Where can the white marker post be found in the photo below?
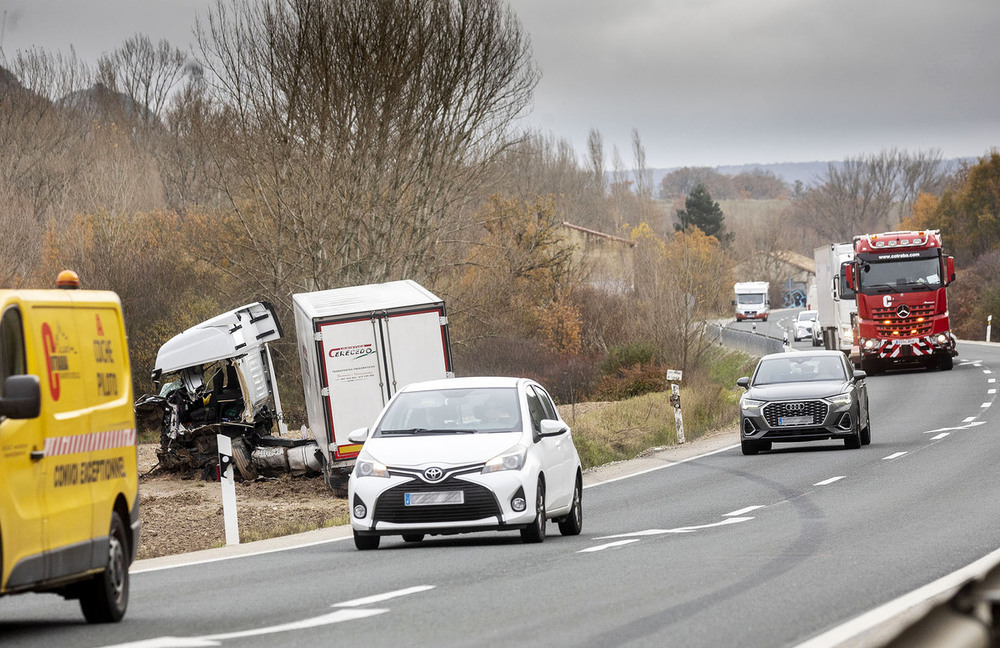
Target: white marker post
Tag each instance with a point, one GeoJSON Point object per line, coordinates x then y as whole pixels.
{"type": "Point", "coordinates": [675, 400]}
{"type": "Point", "coordinates": [989, 326]}
{"type": "Point", "coordinates": [228, 489]}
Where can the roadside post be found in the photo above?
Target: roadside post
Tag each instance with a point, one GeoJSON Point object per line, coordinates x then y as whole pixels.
{"type": "Point", "coordinates": [675, 400]}
{"type": "Point", "coordinates": [228, 489]}
{"type": "Point", "coordinates": [989, 326]}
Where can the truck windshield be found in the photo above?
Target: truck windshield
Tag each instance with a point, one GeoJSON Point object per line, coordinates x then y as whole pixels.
{"type": "Point", "coordinates": [908, 275]}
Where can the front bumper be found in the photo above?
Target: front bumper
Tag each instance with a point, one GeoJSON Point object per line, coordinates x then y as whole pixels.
{"type": "Point", "coordinates": [487, 504]}
{"type": "Point", "coordinates": [903, 350]}
{"type": "Point", "coordinates": [834, 422]}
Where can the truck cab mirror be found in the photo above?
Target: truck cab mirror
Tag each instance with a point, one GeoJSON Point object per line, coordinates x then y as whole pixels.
{"type": "Point", "coordinates": [358, 436]}
{"type": "Point", "coordinates": [949, 264]}
{"type": "Point", "coordinates": [849, 273]}
{"type": "Point", "coordinates": [22, 397]}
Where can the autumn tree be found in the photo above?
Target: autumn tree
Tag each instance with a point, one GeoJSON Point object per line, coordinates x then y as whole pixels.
{"type": "Point", "coordinates": [680, 283]}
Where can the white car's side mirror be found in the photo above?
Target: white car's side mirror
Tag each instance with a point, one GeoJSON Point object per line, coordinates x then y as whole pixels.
{"type": "Point", "coordinates": [358, 436]}
{"type": "Point", "coordinates": [552, 427]}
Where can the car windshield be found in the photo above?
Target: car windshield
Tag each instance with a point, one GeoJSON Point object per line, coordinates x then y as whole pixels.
{"type": "Point", "coordinates": [452, 411]}
{"type": "Point", "coordinates": [798, 369]}
{"type": "Point", "coordinates": [807, 316]}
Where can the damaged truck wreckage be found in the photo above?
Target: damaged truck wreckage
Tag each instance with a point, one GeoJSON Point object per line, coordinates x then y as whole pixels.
{"type": "Point", "coordinates": [217, 378]}
{"type": "Point", "coordinates": [357, 347]}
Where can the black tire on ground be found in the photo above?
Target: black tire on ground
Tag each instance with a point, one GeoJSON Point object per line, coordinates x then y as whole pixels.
{"type": "Point", "coordinates": [853, 442]}
{"type": "Point", "coordinates": [104, 598]}
{"type": "Point", "coordinates": [572, 524]}
{"type": "Point", "coordinates": [866, 433]}
{"type": "Point", "coordinates": [749, 447]}
{"type": "Point", "coordinates": [536, 531]}
{"type": "Point", "coordinates": [412, 537]}
{"type": "Point", "coordinates": [366, 542]}
{"type": "Point", "coordinates": [946, 363]}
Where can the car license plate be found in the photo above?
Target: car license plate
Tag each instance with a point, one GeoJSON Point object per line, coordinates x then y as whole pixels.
{"type": "Point", "coordinates": [433, 498]}
{"type": "Point", "coordinates": [795, 420]}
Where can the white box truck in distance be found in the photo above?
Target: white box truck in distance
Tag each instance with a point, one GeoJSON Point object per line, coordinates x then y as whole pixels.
{"type": "Point", "coordinates": [835, 302]}
{"type": "Point", "coordinates": [751, 300]}
{"type": "Point", "coordinates": [357, 347]}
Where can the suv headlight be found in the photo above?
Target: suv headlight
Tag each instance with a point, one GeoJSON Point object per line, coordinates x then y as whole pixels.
{"type": "Point", "coordinates": [841, 399]}
{"type": "Point", "coordinates": [751, 404]}
{"type": "Point", "coordinates": [512, 459]}
{"type": "Point", "coordinates": [368, 467]}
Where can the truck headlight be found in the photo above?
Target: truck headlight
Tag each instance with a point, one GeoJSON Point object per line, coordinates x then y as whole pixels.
{"type": "Point", "coordinates": [846, 334]}
{"type": "Point", "coordinates": [513, 459]}
{"type": "Point", "coordinates": [869, 344]}
{"type": "Point", "coordinates": [942, 338]}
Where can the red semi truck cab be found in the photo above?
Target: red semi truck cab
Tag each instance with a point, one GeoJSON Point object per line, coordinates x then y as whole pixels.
{"type": "Point", "coordinates": [901, 279]}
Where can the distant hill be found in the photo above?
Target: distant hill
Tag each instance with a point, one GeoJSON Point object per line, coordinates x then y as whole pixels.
{"type": "Point", "coordinates": [809, 173]}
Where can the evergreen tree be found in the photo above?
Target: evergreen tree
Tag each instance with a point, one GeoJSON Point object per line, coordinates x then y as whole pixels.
{"type": "Point", "coordinates": [704, 213]}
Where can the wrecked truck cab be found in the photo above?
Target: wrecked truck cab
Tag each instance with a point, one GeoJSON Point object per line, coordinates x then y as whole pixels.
{"type": "Point", "coordinates": [215, 378]}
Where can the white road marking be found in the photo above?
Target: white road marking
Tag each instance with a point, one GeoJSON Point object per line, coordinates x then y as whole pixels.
{"type": "Point", "coordinates": [970, 424]}
{"type": "Point", "coordinates": [827, 482]}
{"type": "Point", "coordinates": [969, 420]}
{"type": "Point", "coordinates": [743, 511]}
{"type": "Point", "coordinates": [893, 456]}
{"type": "Point", "coordinates": [986, 404]}
{"type": "Point", "coordinates": [216, 640]}
{"type": "Point", "coordinates": [602, 547]}
{"type": "Point", "coordinates": [987, 371]}
{"type": "Point", "coordinates": [991, 380]}
{"type": "Point", "coordinates": [940, 436]}
{"type": "Point", "coordinates": [687, 529]}
{"type": "Point", "coordinates": [991, 391]}
{"type": "Point", "coordinates": [378, 598]}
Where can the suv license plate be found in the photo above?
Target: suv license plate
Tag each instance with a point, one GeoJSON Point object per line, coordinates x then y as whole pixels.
{"type": "Point", "coordinates": [795, 420]}
{"type": "Point", "coordinates": [433, 498]}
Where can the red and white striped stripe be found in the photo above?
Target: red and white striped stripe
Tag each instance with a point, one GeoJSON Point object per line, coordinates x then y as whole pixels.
{"type": "Point", "coordinates": [77, 443]}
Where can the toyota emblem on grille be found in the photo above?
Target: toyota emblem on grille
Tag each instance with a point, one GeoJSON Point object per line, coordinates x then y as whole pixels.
{"type": "Point", "coordinates": [433, 474]}
{"type": "Point", "coordinates": [903, 310]}
{"type": "Point", "coordinates": [794, 407]}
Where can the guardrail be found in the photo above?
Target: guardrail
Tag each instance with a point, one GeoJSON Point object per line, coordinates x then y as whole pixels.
{"type": "Point", "coordinates": [750, 342]}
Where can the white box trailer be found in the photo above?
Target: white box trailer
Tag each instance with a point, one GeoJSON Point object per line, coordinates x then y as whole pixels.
{"type": "Point", "coordinates": [835, 301]}
{"type": "Point", "coordinates": [357, 347]}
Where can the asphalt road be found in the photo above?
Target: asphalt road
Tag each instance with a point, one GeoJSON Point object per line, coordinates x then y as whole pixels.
{"type": "Point", "coordinates": [717, 550]}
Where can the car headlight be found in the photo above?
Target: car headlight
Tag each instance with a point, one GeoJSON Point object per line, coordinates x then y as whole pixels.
{"type": "Point", "coordinates": [368, 467]}
{"type": "Point", "coordinates": [846, 334]}
{"type": "Point", "coordinates": [512, 459]}
{"type": "Point", "coordinates": [750, 404]}
{"type": "Point", "coordinates": [841, 399]}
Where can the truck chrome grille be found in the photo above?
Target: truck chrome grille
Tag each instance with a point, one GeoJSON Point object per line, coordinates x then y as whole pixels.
{"type": "Point", "coordinates": [479, 503]}
{"type": "Point", "coordinates": [816, 409]}
{"type": "Point", "coordinates": [903, 326]}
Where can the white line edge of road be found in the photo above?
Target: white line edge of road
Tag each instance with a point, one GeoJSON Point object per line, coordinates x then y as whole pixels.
{"type": "Point", "coordinates": [869, 620]}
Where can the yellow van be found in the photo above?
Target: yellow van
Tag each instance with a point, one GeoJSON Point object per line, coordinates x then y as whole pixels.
{"type": "Point", "coordinates": [69, 500]}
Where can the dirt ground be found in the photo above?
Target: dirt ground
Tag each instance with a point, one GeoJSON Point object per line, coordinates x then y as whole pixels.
{"type": "Point", "coordinates": [180, 515]}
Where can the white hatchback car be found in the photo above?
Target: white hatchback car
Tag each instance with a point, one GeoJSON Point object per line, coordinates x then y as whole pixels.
{"type": "Point", "coordinates": [462, 455]}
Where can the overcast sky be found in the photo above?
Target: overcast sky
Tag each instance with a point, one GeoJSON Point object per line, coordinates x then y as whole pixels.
{"type": "Point", "coordinates": [705, 82]}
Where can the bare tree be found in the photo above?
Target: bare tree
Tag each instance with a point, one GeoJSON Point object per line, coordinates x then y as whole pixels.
{"type": "Point", "coordinates": [357, 126]}
{"type": "Point", "coordinates": [145, 73]}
